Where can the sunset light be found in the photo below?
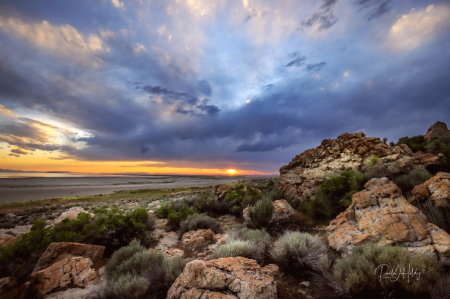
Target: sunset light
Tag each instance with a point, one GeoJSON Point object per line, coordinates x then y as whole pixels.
{"type": "Point", "coordinates": [231, 171]}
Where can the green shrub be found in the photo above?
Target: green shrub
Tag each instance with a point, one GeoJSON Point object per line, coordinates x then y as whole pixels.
{"type": "Point", "coordinates": [198, 221]}
{"type": "Point", "coordinates": [377, 171]}
{"type": "Point", "coordinates": [133, 272]}
{"type": "Point", "coordinates": [261, 214]}
{"type": "Point", "coordinates": [441, 146]}
{"type": "Point", "coordinates": [373, 161]}
{"type": "Point", "coordinates": [163, 211]}
{"type": "Point", "coordinates": [234, 248]}
{"type": "Point", "coordinates": [435, 214]}
{"type": "Point", "coordinates": [407, 182]}
{"type": "Point", "coordinates": [360, 274]}
{"type": "Point", "coordinates": [299, 253]}
{"type": "Point", "coordinates": [112, 229]}
{"type": "Point", "coordinates": [335, 194]}
{"type": "Point", "coordinates": [416, 143]}
{"type": "Point", "coordinates": [253, 235]}
{"type": "Point", "coordinates": [174, 218]}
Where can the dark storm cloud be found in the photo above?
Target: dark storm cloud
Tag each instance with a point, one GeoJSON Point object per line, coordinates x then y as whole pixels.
{"type": "Point", "coordinates": [299, 61]}
{"type": "Point", "coordinates": [376, 8]}
{"type": "Point", "coordinates": [269, 87]}
{"type": "Point", "coordinates": [315, 67]}
{"type": "Point", "coordinates": [324, 17]}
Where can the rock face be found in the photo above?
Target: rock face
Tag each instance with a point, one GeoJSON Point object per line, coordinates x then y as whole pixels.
{"type": "Point", "coordinates": [193, 240]}
{"type": "Point", "coordinates": [76, 271]}
{"type": "Point", "coordinates": [72, 213]}
{"type": "Point", "coordinates": [436, 189]}
{"type": "Point", "coordinates": [58, 251]}
{"type": "Point", "coordinates": [381, 214]}
{"type": "Point", "coordinates": [7, 287]}
{"type": "Point", "coordinates": [220, 191]}
{"type": "Point", "coordinates": [231, 278]}
{"type": "Point", "coordinates": [303, 175]}
{"type": "Point", "coordinates": [282, 211]}
{"type": "Point", "coordinates": [439, 129]}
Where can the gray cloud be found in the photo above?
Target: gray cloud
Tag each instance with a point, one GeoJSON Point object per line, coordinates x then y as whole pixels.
{"type": "Point", "coordinates": [315, 67]}
{"type": "Point", "coordinates": [324, 17]}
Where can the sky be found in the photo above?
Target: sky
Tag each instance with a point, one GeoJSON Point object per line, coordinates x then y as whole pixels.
{"type": "Point", "coordinates": [213, 87]}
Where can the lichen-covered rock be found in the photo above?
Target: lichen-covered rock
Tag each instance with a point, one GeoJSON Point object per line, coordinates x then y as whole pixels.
{"type": "Point", "coordinates": [173, 252]}
{"type": "Point", "coordinates": [302, 177]}
{"type": "Point", "coordinates": [381, 214]}
{"type": "Point", "coordinates": [71, 213]}
{"type": "Point", "coordinates": [68, 272]}
{"type": "Point", "coordinates": [58, 251]}
{"type": "Point", "coordinates": [220, 191]}
{"type": "Point", "coordinates": [193, 240]}
{"type": "Point", "coordinates": [438, 129]}
{"type": "Point", "coordinates": [436, 189]}
{"type": "Point", "coordinates": [282, 212]}
{"type": "Point", "coordinates": [234, 277]}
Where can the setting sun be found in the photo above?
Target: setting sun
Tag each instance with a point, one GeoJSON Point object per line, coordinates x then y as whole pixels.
{"type": "Point", "coordinates": [231, 171]}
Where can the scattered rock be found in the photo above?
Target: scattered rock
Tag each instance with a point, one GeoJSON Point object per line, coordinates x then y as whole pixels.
{"type": "Point", "coordinates": [58, 251]}
{"type": "Point", "coordinates": [167, 241]}
{"type": "Point", "coordinates": [302, 177]}
{"type": "Point", "coordinates": [173, 252]}
{"type": "Point", "coordinates": [194, 240]}
{"type": "Point", "coordinates": [234, 277]}
{"type": "Point", "coordinates": [282, 212]}
{"type": "Point", "coordinates": [439, 129]}
{"type": "Point", "coordinates": [71, 213]}
{"type": "Point", "coordinates": [220, 191]}
{"type": "Point", "coordinates": [384, 216]}
{"type": "Point", "coordinates": [436, 189]}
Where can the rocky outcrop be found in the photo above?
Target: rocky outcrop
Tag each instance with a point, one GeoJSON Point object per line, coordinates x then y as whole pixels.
{"type": "Point", "coordinates": [71, 213]}
{"type": "Point", "coordinates": [58, 251]}
{"type": "Point", "coordinates": [194, 240]}
{"type": "Point", "coordinates": [220, 191]}
{"type": "Point", "coordinates": [68, 272]}
{"type": "Point", "coordinates": [436, 189]}
{"type": "Point", "coordinates": [231, 278]}
{"type": "Point", "coordinates": [381, 214]}
{"type": "Point", "coordinates": [282, 212]}
{"type": "Point", "coordinates": [439, 129]}
{"type": "Point", "coordinates": [302, 177]}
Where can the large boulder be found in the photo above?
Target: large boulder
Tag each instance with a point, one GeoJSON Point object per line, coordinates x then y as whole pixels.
{"type": "Point", "coordinates": [382, 215]}
{"type": "Point", "coordinates": [196, 239]}
{"type": "Point", "coordinates": [282, 212]}
{"type": "Point", "coordinates": [302, 177]}
{"type": "Point", "coordinates": [231, 278]}
{"type": "Point", "coordinates": [68, 272]}
{"type": "Point", "coordinates": [436, 189]}
{"type": "Point", "coordinates": [58, 251]}
{"type": "Point", "coordinates": [220, 191]}
{"type": "Point", "coordinates": [8, 287]}
{"type": "Point", "coordinates": [439, 129]}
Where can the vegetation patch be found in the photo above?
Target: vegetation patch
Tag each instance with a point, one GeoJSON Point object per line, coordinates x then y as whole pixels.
{"type": "Point", "coordinates": [198, 221]}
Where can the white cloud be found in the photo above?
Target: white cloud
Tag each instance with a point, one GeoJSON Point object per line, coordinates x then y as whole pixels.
{"type": "Point", "coordinates": [117, 3]}
{"type": "Point", "coordinates": [248, 101]}
{"type": "Point", "coordinates": [322, 88]}
{"type": "Point", "coordinates": [64, 39]}
{"type": "Point", "coordinates": [139, 48]}
{"type": "Point", "coordinates": [245, 3]}
{"type": "Point", "coordinates": [346, 74]}
{"type": "Point", "coordinates": [316, 76]}
{"type": "Point", "coordinates": [418, 27]}
{"type": "Point", "coordinates": [335, 84]}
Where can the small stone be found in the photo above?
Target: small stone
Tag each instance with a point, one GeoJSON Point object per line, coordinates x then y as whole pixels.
{"type": "Point", "coordinates": [305, 283]}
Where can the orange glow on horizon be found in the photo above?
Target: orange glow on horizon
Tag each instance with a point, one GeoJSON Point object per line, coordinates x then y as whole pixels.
{"type": "Point", "coordinates": [231, 171]}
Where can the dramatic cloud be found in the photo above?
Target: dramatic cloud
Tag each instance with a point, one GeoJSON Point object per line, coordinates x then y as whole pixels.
{"type": "Point", "coordinates": [215, 84]}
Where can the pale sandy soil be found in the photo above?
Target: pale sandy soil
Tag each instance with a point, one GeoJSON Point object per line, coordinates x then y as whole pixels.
{"type": "Point", "coordinates": [22, 189]}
